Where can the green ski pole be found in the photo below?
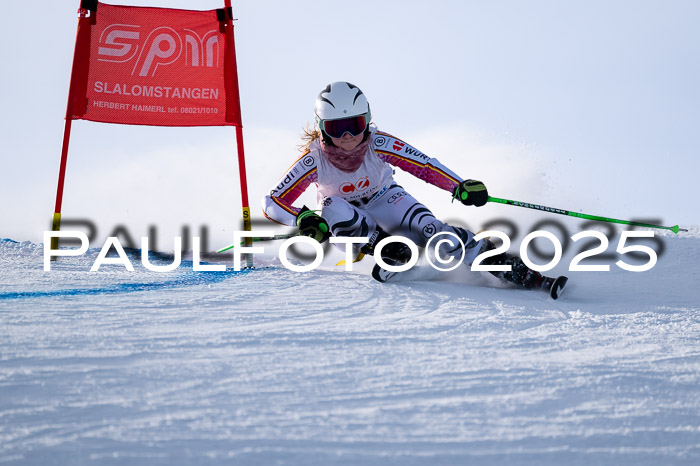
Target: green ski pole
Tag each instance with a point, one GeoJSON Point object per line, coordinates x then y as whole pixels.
{"type": "Point", "coordinates": [553, 210]}
{"type": "Point", "coordinates": [262, 238]}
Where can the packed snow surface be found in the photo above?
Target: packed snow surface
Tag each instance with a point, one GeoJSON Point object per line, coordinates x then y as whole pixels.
{"type": "Point", "coordinates": [271, 366]}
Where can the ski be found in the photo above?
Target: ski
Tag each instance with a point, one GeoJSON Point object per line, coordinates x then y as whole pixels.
{"type": "Point", "coordinates": [554, 286]}
{"type": "Point", "coordinates": [382, 275]}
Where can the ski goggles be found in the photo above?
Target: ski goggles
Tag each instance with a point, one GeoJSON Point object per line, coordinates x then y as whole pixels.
{"type": "Point", "coordinates": [336, 129]}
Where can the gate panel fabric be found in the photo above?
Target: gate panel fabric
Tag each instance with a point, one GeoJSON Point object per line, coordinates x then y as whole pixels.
{"type": "Point", "coordinates": [157, 66]}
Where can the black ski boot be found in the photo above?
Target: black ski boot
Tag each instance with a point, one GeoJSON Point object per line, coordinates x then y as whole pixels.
{"type": "Point", "coordinates": [521, 275]}
{"type": "Point", "coordinates": [393, 254]}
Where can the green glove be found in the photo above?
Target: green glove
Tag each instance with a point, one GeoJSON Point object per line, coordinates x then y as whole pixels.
{"type": "Point", "coordinates": [312, 225]}
{"type": "Point", "coordinates": [471, 192]}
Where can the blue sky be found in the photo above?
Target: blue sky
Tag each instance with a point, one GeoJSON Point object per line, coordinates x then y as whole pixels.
{"type": "Point", "coordinates": [588, 106]}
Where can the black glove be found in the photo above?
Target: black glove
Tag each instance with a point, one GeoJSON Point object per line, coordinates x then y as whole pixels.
{"type": "Point", "coordinates": [312, 225]}
{"type": "Point", "coordinates": [471, 192]}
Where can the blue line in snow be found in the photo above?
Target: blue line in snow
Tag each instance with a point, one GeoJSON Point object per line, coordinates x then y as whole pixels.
{"type": "Point", "coordinates": [189, 279]}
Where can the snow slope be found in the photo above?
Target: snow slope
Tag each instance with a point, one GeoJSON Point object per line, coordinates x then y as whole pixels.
{"type": "Point", "coordinates": [327, 367]}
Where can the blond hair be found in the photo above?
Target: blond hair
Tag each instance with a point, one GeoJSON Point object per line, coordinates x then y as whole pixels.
{"type": "Point", "coordinates": [311, 133]}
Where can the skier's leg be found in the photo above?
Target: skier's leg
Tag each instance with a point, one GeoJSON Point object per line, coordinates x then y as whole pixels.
{"type": "Point", "coordinates": [345, 219]}
{"type": "Point", "coordinates": [399, 213]}
{"type": "Point", "coordinates": [405, 216]}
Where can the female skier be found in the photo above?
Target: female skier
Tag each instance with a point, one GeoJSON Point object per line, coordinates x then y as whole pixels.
{"type": "Point", "coordinates": [350, 162]}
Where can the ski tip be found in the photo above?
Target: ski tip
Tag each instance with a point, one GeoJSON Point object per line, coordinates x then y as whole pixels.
{"type": "Point", "coordinates": [557, 287]}
{"type": "Point", "coordinates": [380, 274]}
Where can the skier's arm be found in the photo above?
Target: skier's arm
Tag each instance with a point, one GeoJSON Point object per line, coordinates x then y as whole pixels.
{"type": "Point", "coordinates": [277, 206]}
{"type": "Point", "coordinates": [400, 154]}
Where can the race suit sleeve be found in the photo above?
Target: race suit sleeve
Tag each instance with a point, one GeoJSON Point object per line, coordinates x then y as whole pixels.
{"type": "Point", "coordinates": [277, 206]}
{"type": "Point", "coordinates": [400, 154]}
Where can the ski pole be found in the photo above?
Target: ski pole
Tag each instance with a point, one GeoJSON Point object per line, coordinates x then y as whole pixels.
{"type": "Point", "coordinates": [262, 238]}
{"type": "Point", "coordinates": [528, 205]}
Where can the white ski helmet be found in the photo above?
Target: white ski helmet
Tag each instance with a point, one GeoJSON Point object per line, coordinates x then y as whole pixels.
{"type": "Point", "coordinates": [340, 108]}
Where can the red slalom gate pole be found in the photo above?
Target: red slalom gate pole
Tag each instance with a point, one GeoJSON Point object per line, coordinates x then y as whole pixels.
{"type": "Point", "coordinates": [76, 99]}
{"type": "Point", "coordinates": [230, 51]}
{"type": "Point", "coordinates": [56, 222]}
